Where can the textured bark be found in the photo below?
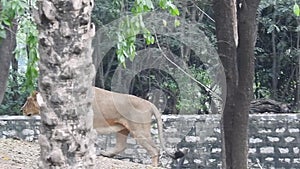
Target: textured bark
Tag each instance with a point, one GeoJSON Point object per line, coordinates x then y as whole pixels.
{"type": "Point", "coordinates": [238, 61]}
{"type": "Point", "coordinates": [247, 32]}
{"type": "Point", "coordinates": [65, 83]}
{"type": "Point", "coordinates": [224, 17]}
{"type": "Point", "coordinates": [7, 47]}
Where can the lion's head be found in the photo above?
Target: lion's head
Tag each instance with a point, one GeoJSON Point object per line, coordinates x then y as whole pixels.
{"type": "Point", "coordinates": [31, 106]}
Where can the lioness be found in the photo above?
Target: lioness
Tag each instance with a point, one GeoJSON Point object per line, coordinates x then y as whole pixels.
{"type": "Point", "coordinates": [121, 114]}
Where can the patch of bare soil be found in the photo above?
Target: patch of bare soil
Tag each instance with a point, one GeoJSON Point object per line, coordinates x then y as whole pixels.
{"type": "Point", "coordinates": [17, 154]}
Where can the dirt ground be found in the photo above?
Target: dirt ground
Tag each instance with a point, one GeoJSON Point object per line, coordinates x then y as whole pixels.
{"type": "Point", "coordinates": [16, 154]}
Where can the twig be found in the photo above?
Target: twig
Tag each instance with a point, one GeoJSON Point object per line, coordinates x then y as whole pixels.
{"type": "Point", "coordinates": [210, 18]}
{"type": "Point", "coordinates": [190, 76]}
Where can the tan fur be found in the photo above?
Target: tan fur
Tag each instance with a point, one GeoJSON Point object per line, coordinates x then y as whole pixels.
{"type": "Point", "coordinates": [31, 106]}
{"type": "Point", "coordinates": [122, 114]}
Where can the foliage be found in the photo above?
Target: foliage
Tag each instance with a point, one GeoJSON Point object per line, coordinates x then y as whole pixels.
{"type": "Point", "coordinates": [146, 80]}
{"type": "Point", "coordinates": [14, 96]}
{"type": "Point", "coordinates": [27, 29]}
{"type": "Point", "coordinates": [10, 9]}
{"type": "Point", "coordinates": [277, 19]}
{"type": "Point", "coordinates": [27, 40]}
{"type": "Point", "coordinates": [27, 35]}
{"type": "Point", "coordinates": [196, 99]}
{"type": "Point", "coordinates": [105, 11]}
{"type": "Point", "coordinates": [132, 26]}
{"type": "Point", "coordinates": [296, 9]}
{"type": "Point", "coordinates": [280, 17]}
{"type": "Point", "coordinates": [188, 99]}
{"type": "Point", "coordinates": [18, 12]}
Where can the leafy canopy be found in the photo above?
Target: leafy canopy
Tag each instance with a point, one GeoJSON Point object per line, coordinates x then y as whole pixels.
{"type": "Point", "coordinates": [19, 10]}
{"type": "Point", "coordinates": [131, 26]}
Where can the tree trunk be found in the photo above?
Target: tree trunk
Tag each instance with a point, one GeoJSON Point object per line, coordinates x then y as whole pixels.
{"type": "Point", "coordinates": [65, 83]}
{"type": "Point", "coordinates": [274, 66]}
{"type": "Point", "coordinates": [247, 32]}
{"type": "Point", "coordinates": [99, 79]}
{"type": "Point", "coordinates": [14, 87]}
{"type": "Point", "coordinates": [224, 17]}
{"type": "Point", "coordinates": [7, 46]}
{"type": "Point", "coordinates": [297, 97]}
{"type": "Point", "coordinates": [238, 61]}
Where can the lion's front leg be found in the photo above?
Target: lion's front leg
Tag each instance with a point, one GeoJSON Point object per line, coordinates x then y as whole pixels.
{"type": "Point", "coordinates": [121, 138]}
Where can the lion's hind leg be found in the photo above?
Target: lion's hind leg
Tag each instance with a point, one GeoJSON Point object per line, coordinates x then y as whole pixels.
{"type": "Point", "coordinates": [120, 146]}
{"type": "Point", "coordinates": [145, 140]}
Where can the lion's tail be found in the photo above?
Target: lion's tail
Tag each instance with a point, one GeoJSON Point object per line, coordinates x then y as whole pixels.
{"type": "Point", "coordinates": [160, 131]}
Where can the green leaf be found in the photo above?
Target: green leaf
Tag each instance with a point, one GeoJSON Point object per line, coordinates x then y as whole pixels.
{"type": "Point", "coordinates": [152, 40]}
{"type": "Point", "coordinates": [176, 23]}
{"type": "Point", "coordinates": [132, 53]}
{"type": "Point", "coordinates": [149, 4]}
{"type": "Point", "coordinates": [162, 4]}
{"type": "Point", "coordinates": [121, 58]}
{"type": "Point", "coordinates": [296, 9]}
{"type": "Point", "coordinates": [173, 9]}
{"type": "Point", "coordinates": [2, 34]}
{"type": "Point", "coordinates": [298, 29]}
{"type": "Point", "coordinates": [7, 22]}
{"type": "Point", "coordinates": [149, 39]}
{"type": "Point", "coordinates": [165, 23]}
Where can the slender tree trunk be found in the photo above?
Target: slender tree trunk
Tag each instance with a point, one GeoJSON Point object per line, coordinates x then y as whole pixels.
{"type": "Point", "coordinates": [65, 82]}
{"type": "Point", "coordinates": [274, 67]}
{"type": "Point", "coordinates": [247, 31]}
{"type": "Point", "coordinates": [7, 47]}
{"type": "Point", "coordinates": [238, 61]}
{"type": "Point", "coordinates": [15, 67]}
{"type": "Point", "coordinates": [297, 98]}
{"type": "Point", "coordinates": [98, 62]}
{"type": "Point", "coordinates": [99, 79]}
{"type": "Point", "coordinates": [224, 17]}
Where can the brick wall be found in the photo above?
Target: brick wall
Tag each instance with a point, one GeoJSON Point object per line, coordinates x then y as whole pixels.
{"type": "Point", "coordinates": [274, 139]}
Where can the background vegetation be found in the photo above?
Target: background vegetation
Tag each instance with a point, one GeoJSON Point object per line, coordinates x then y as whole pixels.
{"type": "Point", "coordinates": [277, 72]}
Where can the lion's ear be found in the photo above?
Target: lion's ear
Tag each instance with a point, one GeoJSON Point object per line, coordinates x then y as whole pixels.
{"type": "Point", "coordinates": [34, 93]}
